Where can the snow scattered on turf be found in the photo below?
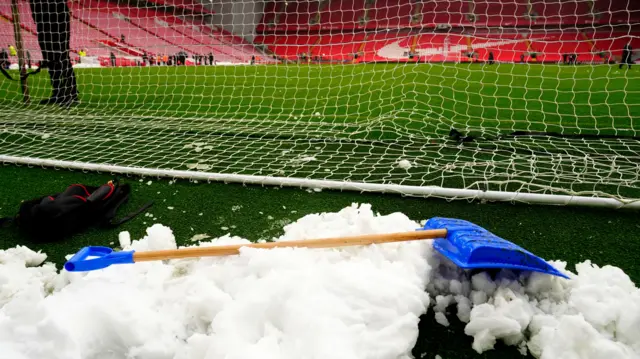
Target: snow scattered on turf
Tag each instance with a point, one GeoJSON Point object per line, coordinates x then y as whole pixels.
{"type": "Point", "coordinates": [199, 237]}
{"type": "Point", "coordinates": [355, 302]}
{"type": "Point", "coordinates": [404, 164]}
{"type": "Point", "coordinates": [303, 159]}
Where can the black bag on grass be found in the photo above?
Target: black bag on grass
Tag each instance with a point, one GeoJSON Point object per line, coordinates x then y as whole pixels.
{"type": "Point", "coordinates": [79, 207]}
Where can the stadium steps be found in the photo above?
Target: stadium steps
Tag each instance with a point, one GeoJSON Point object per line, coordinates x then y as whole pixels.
{"type": "Point", "coordinates": [124, 49]}
{"type": "Point", "coordinates": [314, 46]}
{"type": "Point", "coordinates": [215, 50]}
{"type": "Point", "coordinates": [416, 15]}
{"type": "Point", "coordinates": [164, 38]}
{"type": "Point", "coordinates": [414, 42]}
{"type": "Point", "coordinates": [592, 44]}
{"type": "Point", "coordinates": [189, 5]}
{"type": "Point", "coordinates": [109, 38]}
{"type": "Point", "coordinates": [193, 46]}
{"type": "Point", "coordinates": [531, 48]}
{"type": "Point", "coordinates": [361, 49]}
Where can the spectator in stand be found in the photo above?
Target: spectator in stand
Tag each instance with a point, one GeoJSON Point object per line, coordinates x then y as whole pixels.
{"type": "Point", "coordinates": [122, 38]}
{"type": "Point", "coordinates": [81, 54]}
{"type": "Point", "coordinates": [627, 55]}
{"type": "Point", "coordinates": [53, 25]}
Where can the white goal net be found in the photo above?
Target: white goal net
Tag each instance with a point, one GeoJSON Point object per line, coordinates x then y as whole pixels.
{"type": "Point", "coordinates": [500, 99]}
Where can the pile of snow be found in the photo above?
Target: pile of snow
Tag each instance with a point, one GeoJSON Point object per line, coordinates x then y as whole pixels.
{"type": "Point", "coordinates": [355, 302]}
{"type": "Point", "coordinates": [595, 315]}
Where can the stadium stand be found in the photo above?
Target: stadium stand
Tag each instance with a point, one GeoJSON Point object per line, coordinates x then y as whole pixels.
{"type": "Point", "coordinates": [342, 14]}
{"type": "Point", "coordinates": [448, 30]}
{"type": "Point", "coordinates": [353, 31]}
{"type": "Point", "coordinates": [191, 5]}
{"type": "Point", "coordinates": [98, 27]}
{"type": "Point", "coordinates": [30, 40]}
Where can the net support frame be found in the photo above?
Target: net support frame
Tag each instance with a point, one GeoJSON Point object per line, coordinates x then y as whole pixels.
{"type": "Point", "coordinates": [419, 191]}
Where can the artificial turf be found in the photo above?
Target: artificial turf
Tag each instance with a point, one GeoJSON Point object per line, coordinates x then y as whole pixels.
{"type": "Point", "coordinates": [345, 122]}
{"type": "Point", "coordinates": [253, 212]}
{"type": "Point", "coordinates": [505, 96]}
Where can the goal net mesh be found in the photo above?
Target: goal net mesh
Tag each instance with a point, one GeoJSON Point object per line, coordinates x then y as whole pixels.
{"type": "Point", "coordinates": [505, 95]}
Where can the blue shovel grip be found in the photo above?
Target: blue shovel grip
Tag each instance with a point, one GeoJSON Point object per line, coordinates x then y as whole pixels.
{"type": "Point", "coordinates": [104, 257]}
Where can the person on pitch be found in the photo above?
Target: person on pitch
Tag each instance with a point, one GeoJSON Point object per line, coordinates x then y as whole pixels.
{"type": "Point", "coordinates": [627, 54]}
{"type": "Point", "coordinates": [53, 24]}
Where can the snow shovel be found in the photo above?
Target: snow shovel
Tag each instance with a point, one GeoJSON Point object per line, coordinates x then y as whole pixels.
{"type": "Point", "coordinates": [467, 245]}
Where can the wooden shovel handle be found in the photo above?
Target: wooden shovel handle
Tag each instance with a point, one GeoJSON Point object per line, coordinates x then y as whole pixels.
{"type": "Point", "coordinates": [310, 243]}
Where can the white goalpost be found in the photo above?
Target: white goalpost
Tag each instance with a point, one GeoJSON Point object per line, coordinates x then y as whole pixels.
{"type": "Point", "coordinates": [532, 101]}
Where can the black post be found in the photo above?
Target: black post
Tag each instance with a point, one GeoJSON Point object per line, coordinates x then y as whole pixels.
{"type": "Point", "coordinates": [20, 50]}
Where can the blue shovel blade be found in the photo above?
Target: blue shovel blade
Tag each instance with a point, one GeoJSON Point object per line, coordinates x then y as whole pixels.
{"type": "Point", "coordinates": [102, 258]}
{"type": "Point", "coordinates": [470, 246]}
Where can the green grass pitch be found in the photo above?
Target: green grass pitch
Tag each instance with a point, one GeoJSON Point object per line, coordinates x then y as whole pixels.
{"type": "Point", "coordinates": [356, 121]}
{"type": "Point", "coordinates": [508, 96]}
